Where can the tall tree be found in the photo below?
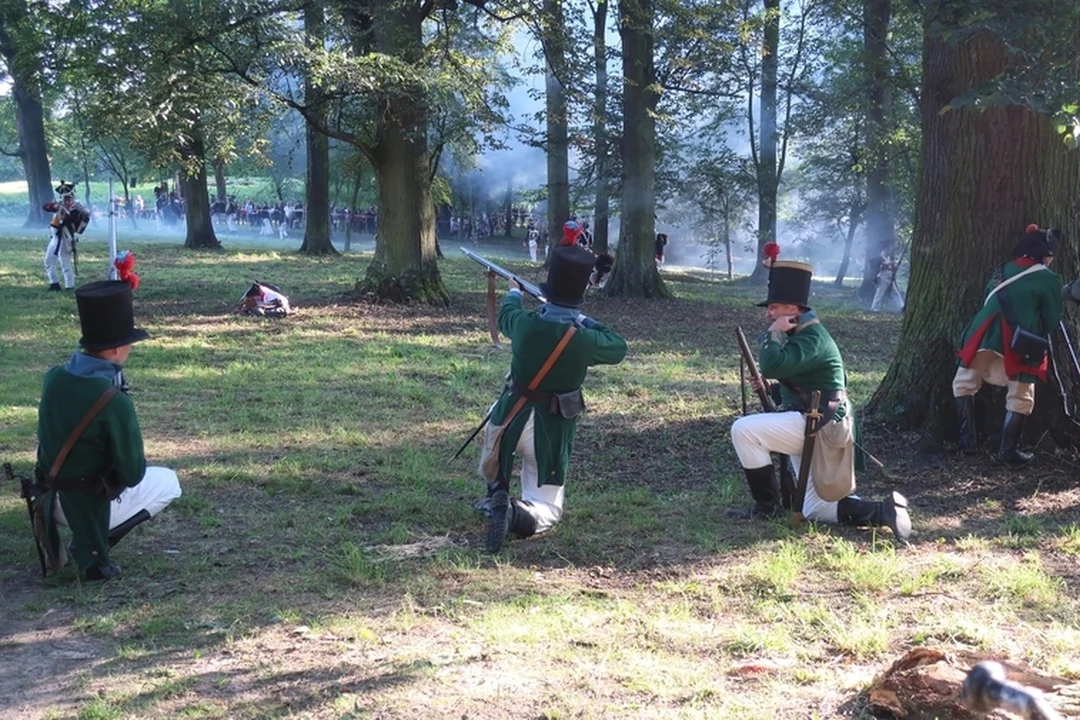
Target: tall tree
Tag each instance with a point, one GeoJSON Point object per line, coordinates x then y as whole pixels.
{"type": "Point", "coordinates": [991, 163]}
{"type": "Point", "coordinates": [768, 175]}
{"type": "Point", "coordinates": [635, 273]}
{"type": "Point", "coordinates": [600, 127]}
{"type": "Point", "coordinates": [21, 49]}
{"type": "Point", "coordinates": [317, 190]}
{"type": "Point", "coordinates": [553, 35]}
{"type": "Point", "coordinates": [386, 74]}
{"type": "Point", "coordinates": [880, 223]}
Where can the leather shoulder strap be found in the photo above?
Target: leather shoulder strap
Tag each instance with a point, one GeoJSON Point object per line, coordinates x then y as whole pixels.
{"type": "Point", "coordinates": [544, 370]}
{"type": "Point", "coordinates": [97, 407]}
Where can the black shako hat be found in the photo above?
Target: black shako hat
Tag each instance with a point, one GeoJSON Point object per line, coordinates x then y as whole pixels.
{"type": "Point", "coordinates": [789, 282]}
{"type": "Point", "coordinates": [106, 315]}
{"type": "Point", "coordinates": [568, 276]}
{"type": "Point", "coordinates": [1037, 243]}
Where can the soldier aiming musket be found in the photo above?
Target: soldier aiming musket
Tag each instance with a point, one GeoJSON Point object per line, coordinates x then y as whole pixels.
{"type": "Point", "coordinates": [536, 416]}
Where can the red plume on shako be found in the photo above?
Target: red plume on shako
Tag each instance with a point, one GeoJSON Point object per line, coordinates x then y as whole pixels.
{"type": "Point", "coordinates": [772, 251]}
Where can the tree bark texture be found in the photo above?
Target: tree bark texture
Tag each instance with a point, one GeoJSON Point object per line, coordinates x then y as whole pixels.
{"type": "Point", "coordinates": [600, 134]}
{"type": "Point", "coordinates": [558, 144]}
{"type": "Point", "coordinates": [849, 240]}
{"type": "Point", "coordinates": [317, 190]}
{"type": "Point", "coordinates": [880, 223]}
{"type": "Point", "coordinates": [766, 168]}
{"type": "Point", "coordinates": [196, 194]}
{"type": "Point", "coordinates": [404, 268]}
{"type": "Point", "coordinates": [984, 176]}
{"type": "Point", "coordinates": [635, 273]}
{"type": "Point", "coordinates": [219, 179]}
{"type": "Point", "coordinates": [23, 62]}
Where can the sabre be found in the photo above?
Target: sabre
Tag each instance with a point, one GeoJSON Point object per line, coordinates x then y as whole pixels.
{"type": "Point", "coordinates": [813, 420]}
{"type": "Point", "coordinates": [26, 491]}
{"type": "Point", "coordinates": [986, 689]}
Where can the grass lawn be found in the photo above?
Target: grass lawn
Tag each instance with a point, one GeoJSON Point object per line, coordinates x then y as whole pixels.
{"type": "Point", "coordinates": [325, 561]}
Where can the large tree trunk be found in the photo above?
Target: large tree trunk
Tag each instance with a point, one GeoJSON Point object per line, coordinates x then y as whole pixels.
{"type": "Point", "coordinates": [853, 225]}
{"type": "Point", "coordinates": [196, 194]}
{"type": "Point", "coordinates": [317, 192]}
{"type": "Point", "coordinates": [880, 224]}
{"type": "Point", "coordinates": [985, 174]}
{"type": "Point", "coordinates": [24, 68]}
{"type": "Point", "coordinates": [404, 268]}
{"type": "Point", "coordinates": [219, 179]}
{"type": "Point", "coordinates": [766, 167]}
{"type": "Point", "coordinates": [600, 137]}
{"type": "Point", "coordinates": [635, 273]}
{"type": "Point", "coordinates": [558, 145]}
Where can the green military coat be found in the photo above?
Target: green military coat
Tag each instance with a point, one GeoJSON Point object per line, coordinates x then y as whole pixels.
{"type": "Point", "coordinates": [1036, 301]}
{"type": "Point", "coordinates": [112, 443]}
{"type": "Point", "coordinates": [533, 339]}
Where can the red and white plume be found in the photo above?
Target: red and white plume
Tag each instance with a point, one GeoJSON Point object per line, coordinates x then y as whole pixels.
{"type": "Point", "coordinates": [771, 252]}
{"type": "Point", "coordinates": [125, 266]}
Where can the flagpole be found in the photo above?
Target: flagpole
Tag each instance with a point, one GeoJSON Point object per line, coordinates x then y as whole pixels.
{"type": "Point", "coordinates": [112, 231]}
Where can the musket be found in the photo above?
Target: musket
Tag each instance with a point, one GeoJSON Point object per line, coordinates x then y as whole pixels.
{"type": "Point", "coordinates": [26, 488]}
{"type": "Point", "coordinates": [986, 689]}
{"type": "Point", "coordinates": [502, 272]}
{"type": "Point", "coordinates": [787, 484]}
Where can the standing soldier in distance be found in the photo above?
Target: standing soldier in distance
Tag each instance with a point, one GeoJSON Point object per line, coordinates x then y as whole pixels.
{"type": "Point", "coordinates": [69, 219]}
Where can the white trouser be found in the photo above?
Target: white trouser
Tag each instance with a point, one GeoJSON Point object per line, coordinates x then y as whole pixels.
{"type": "Point", "coordinates": [989, 366]}
{"type": "Point", "coordinates": [158, 488]}
{"type": "Point", "coordinates": [545, 503]}
{"type": "Point", "coordinates": [755, 436]}
{"type": "Point", "coordinates": [532, 250]}
{"type": "Point", "coordinates": [281, 231]}
{"type": "Point", "coordinates": [266, 230]}
{"type": "Point", "coordinates": [59, 249]}
{"type": "Point", "coordinates": [886, 286]}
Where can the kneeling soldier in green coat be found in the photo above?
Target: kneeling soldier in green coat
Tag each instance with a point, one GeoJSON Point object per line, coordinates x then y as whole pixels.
{"type": "Point", "coordinates": [536, 416]}
{"type": "Point", "coordinates": [90, 448]}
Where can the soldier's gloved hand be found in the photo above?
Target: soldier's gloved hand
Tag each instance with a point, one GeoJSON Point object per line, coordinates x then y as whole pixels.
{"type": "Point", "coordinates": [1071, 291]}
{"type": "Point", "coordinates": [585, 321]}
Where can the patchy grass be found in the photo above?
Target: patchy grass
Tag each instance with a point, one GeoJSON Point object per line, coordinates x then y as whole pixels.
{"type": "Point", "coordinates": [325, 560]}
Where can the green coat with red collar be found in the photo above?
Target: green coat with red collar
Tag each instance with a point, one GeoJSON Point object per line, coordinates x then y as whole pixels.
{"type": "Point", "coordinates": [1036, 302]}
{"type": "Point", "coordinates": [533, 340]}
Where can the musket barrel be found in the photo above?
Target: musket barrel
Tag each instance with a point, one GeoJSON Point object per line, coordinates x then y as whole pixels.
{"type": "Point", "coordinates": [502, 272]}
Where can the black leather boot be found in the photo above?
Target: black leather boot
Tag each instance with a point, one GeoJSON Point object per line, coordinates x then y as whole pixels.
{"type": "Point", "coordinates": [117, 533]}
{"type": "Point", "coordinates": [891, 513]}
{"type": "Point", "coordinates": [498, 521]}
{"type": "Point", "coordinates": [110, 571]}
{"type": "Point", "coordinates": [765, 489]}
{"type": "Point", "coordinates": [522, 523]}
{"type": "Point", "coordinates": [1011, 432]}
{"type": "Point", "coordinates": [965, 414]}
{"type": "Point", "coordinates": [55, 287]}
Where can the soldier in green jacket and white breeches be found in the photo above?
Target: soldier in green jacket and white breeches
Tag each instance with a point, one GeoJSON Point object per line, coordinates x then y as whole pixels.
{"type": "Point", "coordinates": [103, 488]}
{"type": "Point", "coordinates": [798, 352]}
{"type": "Point", "coordinates": [1032, 293]}
{"type": "Point", "coordinates": [539, 424]}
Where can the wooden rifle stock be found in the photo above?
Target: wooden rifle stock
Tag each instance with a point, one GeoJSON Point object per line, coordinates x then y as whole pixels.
{"type": "Point", "coordinates": [751, 364]}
